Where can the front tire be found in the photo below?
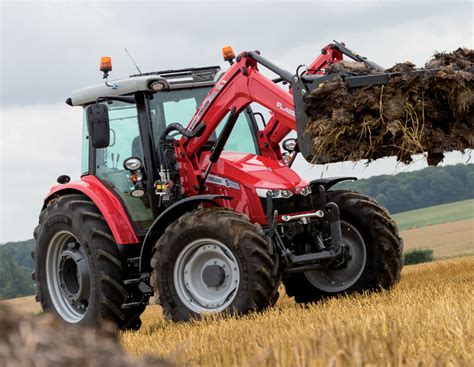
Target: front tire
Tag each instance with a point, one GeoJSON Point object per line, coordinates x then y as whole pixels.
{"type": "Point", "coordinates": [213, 260]}
{"type": "Point", "coordinates": [375, 247]}
{"type": "Point", "coordinates": [78, 269]}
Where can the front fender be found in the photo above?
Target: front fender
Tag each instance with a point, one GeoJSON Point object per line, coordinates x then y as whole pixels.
{"type": "Point", "coordinates": [329, 182]}
{"type": "Point", "coordinates": [168, 216]}
{"type": "Point", "coordinates": [108, 204]}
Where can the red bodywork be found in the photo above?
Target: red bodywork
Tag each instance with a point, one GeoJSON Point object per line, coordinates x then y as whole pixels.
{"type": "Point", "coordinates": [250, 171]}
{"type": "Point", "coordinates": [108, 204]}
{"type": "Point", "coordinates": [240, 86]}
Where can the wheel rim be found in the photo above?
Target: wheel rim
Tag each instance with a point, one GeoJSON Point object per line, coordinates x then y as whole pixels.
{"type": "Point", "coordinates": [68, 276]}
{"type": "Point", "coordinates": [206, 276]}
{"type": "Point", "coordinates": [331, 280]}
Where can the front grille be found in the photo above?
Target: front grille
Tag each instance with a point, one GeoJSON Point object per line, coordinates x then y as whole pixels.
{"type": "Point", "coordinates": [293, 204]}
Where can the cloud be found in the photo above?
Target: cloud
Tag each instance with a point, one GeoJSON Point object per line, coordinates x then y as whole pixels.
{"type": "Point", "coordinates": [38, 143]}
{"type": "Point", "coordinates": [48, 49]}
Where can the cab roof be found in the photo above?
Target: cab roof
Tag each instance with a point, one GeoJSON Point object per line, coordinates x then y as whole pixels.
{"type": "Point", "coordinates": [170, 79]}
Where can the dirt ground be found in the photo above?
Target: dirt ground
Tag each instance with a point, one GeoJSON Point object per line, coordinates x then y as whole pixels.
{"type": "Point", "coordinates": [26, 340]}
{"type": "Point", "coordinates": [446, 239]}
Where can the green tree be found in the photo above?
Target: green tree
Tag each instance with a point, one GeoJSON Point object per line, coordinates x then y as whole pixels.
{"type": "Point", "coordinates": [419, 189]}
{"type": "Point", "coordinates": [15, 280]}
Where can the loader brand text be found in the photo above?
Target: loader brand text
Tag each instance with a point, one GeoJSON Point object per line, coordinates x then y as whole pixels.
{"type": "Point", "coordinates": [289, 111]}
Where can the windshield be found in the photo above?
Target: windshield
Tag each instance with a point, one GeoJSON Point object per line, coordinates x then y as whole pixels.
{"type": "Point", "coordinates": [179, 106]}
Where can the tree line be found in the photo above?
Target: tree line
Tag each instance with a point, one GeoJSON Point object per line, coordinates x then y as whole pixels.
{"type": "Point", "coordinates": [419, 189]}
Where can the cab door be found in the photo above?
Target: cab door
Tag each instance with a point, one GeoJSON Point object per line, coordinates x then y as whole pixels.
{"type": "Point", "coordinates": [125, 142]}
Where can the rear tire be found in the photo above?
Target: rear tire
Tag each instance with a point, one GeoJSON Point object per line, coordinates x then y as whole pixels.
{"type": "Point", "coordinates": [78, 268]}
{"type": "Point", "coordinates": [213, 260]}
{"type": "Point", "coordinates": [383, 250]}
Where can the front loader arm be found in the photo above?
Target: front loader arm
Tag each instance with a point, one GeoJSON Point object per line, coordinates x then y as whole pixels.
{"type": "Point", "coordinates": [276, 131]}
{"type": "Point", "coordinates": [241, 85]}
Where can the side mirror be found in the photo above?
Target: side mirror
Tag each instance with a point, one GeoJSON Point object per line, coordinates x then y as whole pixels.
{"type": "Point", "coordinates": [289, 145]}
{"type": "Point", "coordinates": [98, 125]}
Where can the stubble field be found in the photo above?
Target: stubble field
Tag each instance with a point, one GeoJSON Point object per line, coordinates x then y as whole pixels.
{"type": "Point", "coordinates": [428, 319]}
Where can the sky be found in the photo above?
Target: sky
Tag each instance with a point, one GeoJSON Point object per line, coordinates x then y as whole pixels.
{"type": "Point", "coordinates": [50, 48]}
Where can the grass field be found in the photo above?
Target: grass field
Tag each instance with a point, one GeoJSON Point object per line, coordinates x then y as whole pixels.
{"type": "Point", "coordinates": [436, 214]}
{"type": "Point", "coordinates": [428, 319]}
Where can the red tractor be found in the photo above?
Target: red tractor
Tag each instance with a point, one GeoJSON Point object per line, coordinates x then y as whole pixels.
{"type": "Point", "coordinates": [211, 217]}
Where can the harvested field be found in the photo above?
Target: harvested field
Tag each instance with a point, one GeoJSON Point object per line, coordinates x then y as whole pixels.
{"type": "Point", "coordinates": [409, 325]}
{"type": "Point", "coordinates": [429, 112]}
{"type": "Point", "coordinates": [446, 239]}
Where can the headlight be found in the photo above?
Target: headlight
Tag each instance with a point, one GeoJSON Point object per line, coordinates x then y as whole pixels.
{"type": "Point", "coordinates": [132, 164]}
{"type": "Point", "coordinates": [274, 193]}
{"type": "Point", "coordinates": [305, 191]}
{"type": "Point", "coordinates": [261, 192]}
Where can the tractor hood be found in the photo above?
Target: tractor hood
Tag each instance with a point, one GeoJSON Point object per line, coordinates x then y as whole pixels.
{"type": "Point", "coordinates": [257, 171]}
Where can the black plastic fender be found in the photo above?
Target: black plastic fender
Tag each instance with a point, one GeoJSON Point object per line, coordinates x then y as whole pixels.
{"type": "Point", "coordinates": [168, 216]}
{"type": "Point", "coordinates": [329, 182]}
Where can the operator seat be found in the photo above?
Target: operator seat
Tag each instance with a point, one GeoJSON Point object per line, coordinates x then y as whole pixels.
{"type": "Point", "coordinates": [137, 149]}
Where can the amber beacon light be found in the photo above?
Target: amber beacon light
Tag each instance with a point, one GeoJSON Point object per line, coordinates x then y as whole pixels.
{"type": "Point", "coordinates": [105, 65]}
{"type": "Point", "coordinates": [228, 54]}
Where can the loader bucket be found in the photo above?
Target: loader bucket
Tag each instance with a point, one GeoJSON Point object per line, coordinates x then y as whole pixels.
{"type": "Point", "coordinates": [370, 114]}
{"type": "Point", "coordinates": [308, 84]}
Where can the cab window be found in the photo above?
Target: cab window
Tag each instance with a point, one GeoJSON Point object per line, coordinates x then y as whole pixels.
{"type": "Point", "coordinates": [180, 105]}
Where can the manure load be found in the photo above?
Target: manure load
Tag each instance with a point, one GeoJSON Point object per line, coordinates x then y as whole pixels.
{"type": "Point", "coordinates": [427, 110]}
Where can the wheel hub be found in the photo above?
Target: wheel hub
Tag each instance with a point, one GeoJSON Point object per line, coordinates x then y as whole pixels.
{"type": "Point", "coordinates": [206, 276]}
{"type": "Point", "coordinates": [341, 261]}
{"type": "Point", "coordinates": [74, 276]}
{"type": "Point", "coordinates": [341, 273]}
{"type": "Point", "coordinates": [213, 276]}
{"type": "Point", "coordinates": [68, 276]}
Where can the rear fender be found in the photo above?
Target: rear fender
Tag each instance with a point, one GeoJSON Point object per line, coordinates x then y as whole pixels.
{"type": "Point", "coordinates": [168, 216]}
{"type": "Point", "coordinates": [108, 204]}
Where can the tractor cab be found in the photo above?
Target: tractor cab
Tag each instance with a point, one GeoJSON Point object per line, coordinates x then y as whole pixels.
{"type": "Point", "coordinates": [140, 108]}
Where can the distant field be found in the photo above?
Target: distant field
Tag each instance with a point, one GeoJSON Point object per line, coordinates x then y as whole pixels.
{"type": "Point", "coordinates": [435, 215]}
{"type": "Point", "coordinates": [23, 305]}
{"type": "Point", "coordinates": [446, 239]}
